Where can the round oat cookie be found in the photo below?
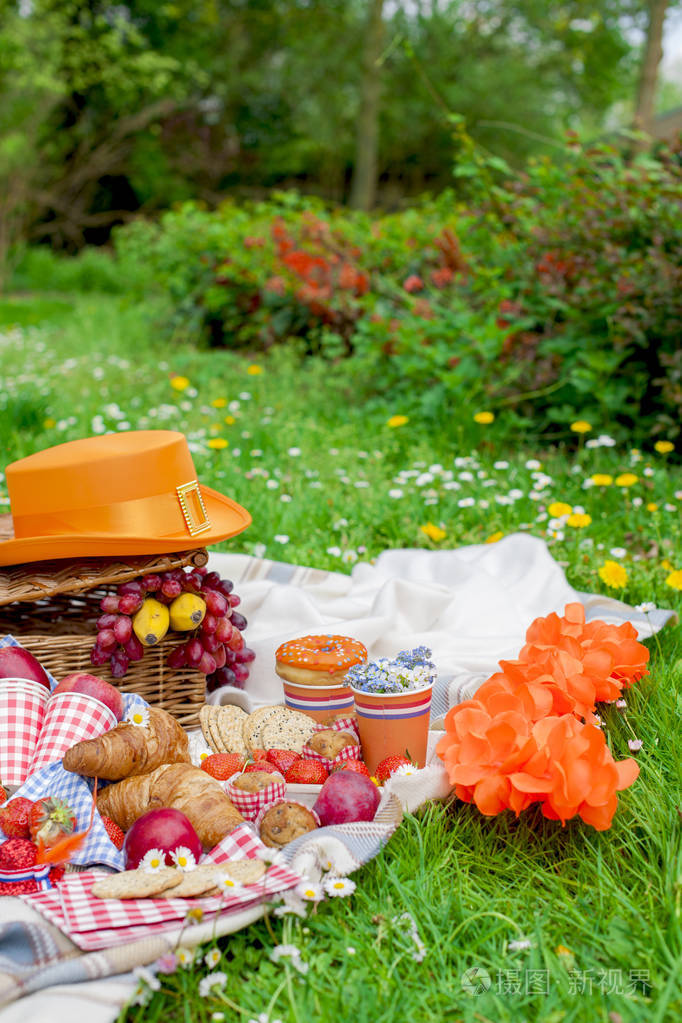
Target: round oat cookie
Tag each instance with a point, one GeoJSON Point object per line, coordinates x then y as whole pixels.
{"type": "Point", "coordinates": [204, 720]}
{"type": "Point", "coordinates": [199, 881]}
{"type": "Point", "coordinates": [287, 729]}
{"type": "Point", "coordinates": [252, 727]}
{"type": "Point", "coordinates": [137, 884]}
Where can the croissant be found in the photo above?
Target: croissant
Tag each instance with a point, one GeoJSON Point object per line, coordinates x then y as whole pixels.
{"type": "Point", "coordinates": [129, 750]}
{"type": "Point", "coordinates": [180, 786]}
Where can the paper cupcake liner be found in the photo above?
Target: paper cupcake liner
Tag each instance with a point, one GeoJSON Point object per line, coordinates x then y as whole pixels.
{"type": "Point", "coordinates": [347, 753]}
{"type": "Point", "coordinates": [250, 804]}
{"type": "Point", "coordinates": [22, 714]}
{"type": "Point", "coordinates": [70, 718]}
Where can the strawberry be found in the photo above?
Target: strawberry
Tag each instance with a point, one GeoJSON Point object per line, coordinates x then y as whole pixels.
{"type": "Point", "coordinates": [50, 820]}
{"type": "Point", "coordinates": [353, 765]}
{"type": "Point", "coordinates": [261, 765]}
{"type": "Point", "coordinates": [56, 874]}
{"type": "Point", "coordinates": [258, 754]}
{"type": "Point", "coordinates": [14, 817]}
{"type": "Point", "coordinates": [282, 758]}
{"type": "Point", "coordinates": [113, 831]}
{"type": "Point", "coordinates": [307, 772]}
{"type": "Point", "coordinates": [390, 764]}
{"type": "Point", "coordinates": [223, 765]}
{"type": "Point", "coordinates": [18, 887]}
{"type": "Point", "coordinates": [3, 793]}
{"type": "Point", "coordinates": [17, 854]}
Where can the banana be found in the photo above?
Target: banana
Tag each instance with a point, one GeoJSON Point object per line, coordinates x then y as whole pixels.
{"type": "Point", "coordinates": [151, 622]}
{"type": "Point", "coordinates": [186, 612]}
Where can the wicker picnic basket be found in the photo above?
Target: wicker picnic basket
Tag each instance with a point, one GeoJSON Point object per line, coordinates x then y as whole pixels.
{"type": "Point", "coordinates": [51, 607]}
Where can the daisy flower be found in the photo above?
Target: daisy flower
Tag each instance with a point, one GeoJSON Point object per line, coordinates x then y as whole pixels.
{"type": "Point", "coordinates": [185, 957]}
{"type": "Point", "coordinates": [404, 770]}
{"type": "Point", "coordinates": [212, 957]}
{"type": "Point", "coordinates": [211, 981]}
{"type": "Point", "coordinates": [228, 886]}
{"type": "Point", "coordinates": [339, 886]}
{"type": "Point", "coordinates": [311, 891]}
{"type": "Point", "coordinates": [183, 858]}
{"type": "Point", "coordinates": [153, 860]}
{"type": "Point", "coordinates": [138, 714]}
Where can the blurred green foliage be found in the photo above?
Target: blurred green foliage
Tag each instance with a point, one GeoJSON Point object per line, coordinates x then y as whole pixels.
{"type": "Point", "coordinates": [107, 108]}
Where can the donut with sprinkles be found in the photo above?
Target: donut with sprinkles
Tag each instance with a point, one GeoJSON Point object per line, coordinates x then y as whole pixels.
{"type": "Point", "coordinates": [318, 660]}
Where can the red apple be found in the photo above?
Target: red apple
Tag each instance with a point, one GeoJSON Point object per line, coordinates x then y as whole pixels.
{"type": "Point", "coordinates": [91, 685]}
{"type": "Point", "coordinates": [165, 829]}
{"type": "Point", "coordinates": [345, 797]}
{"type": "Point", "coordinates": [15, 662]}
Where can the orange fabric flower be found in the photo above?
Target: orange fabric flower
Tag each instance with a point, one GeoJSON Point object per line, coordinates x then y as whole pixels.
{"type": "Point", "coordinates": [521, 740]}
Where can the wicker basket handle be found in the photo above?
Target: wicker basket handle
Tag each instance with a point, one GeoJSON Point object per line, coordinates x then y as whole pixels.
{"type": "Point", "coordinates": [41, 579]}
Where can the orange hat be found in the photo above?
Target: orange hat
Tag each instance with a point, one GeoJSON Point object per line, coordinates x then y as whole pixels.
{"type": "Point", "coordinates": [121, 493]}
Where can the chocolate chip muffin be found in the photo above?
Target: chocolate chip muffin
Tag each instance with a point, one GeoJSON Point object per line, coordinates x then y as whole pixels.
{"type": "Point", "coordinates": [256, 781]}
{"type": "Point", "coordinates": [328, 742]}
{"type": "Point", "coordinates": [284, 822]}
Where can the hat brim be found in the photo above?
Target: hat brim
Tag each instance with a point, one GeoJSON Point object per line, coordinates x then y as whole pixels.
{"type": "Point", "coordinates": [227, 519]}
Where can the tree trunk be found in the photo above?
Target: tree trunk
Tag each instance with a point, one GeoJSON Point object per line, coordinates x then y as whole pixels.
{"type": "Point", "coordinates": [651, 58]}
{"type": "Point", "coordinates": [363, 189]}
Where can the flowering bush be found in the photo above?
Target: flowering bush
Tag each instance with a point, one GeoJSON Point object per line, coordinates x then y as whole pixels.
{"type": "Point", "coordinates": [556, 296]}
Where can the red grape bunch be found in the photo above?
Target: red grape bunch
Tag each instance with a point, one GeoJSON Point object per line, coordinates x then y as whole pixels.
{"type": "Point", "coordinates": [216, 647]}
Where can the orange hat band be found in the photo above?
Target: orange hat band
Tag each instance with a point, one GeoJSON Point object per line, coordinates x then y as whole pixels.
{"type": "Point", "coordinates": [161, 515]}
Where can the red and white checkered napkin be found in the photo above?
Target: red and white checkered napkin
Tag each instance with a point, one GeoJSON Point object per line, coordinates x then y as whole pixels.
{"type": "Point", "coordinates": [250, 804]}
{"type": "Point", "coordinates": [69, 718]}
{"type": "Point", "coordinates": [94, 923]}
{"type": "Point", "coordinates": [347, 753]}
{"type": "Point", "coordinates": [340, 725]}
{"type": "Point", "coordinates": [22, 712]}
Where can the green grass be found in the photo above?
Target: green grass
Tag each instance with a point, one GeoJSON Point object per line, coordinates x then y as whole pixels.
{"type": "Point", "coordinates": [595, 907]}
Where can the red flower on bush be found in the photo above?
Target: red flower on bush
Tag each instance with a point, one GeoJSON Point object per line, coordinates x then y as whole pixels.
{"type": "Point", "coordinates": [413, 283]}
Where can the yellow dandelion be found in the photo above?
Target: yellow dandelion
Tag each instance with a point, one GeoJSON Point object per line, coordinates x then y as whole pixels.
{"type": "Point", "coordinates": [602, 479]}
{"type": "Point", "coordinates": [49, 423]}
{"type": "Point", "coordinates": [626, 479]}
{"type": "Point", "coordinates": [179, 383]}
{"type": "Point", "coordinates": [254, 370]}
{"type": "Point", "coordinates": [581, 426]}
{"type": "Point", "coordinates": [230, 420]}
{"type": "Point", "coordinates": [433, 532]}
{"type": "Point", "coordinates": [667, 566]}
{"type": "Point", "coordinates": [674, 580]}
{"type": "Point", "coordinates": [613, 574]}
{"type": "Point", "coordinates": [557, 509]}
{"type": "Point", "coordinates": [395, 421]}
{"type": "Point", "coordinates": [652, 506]}
{"type": "Point", "coordinates": [217, 443]}
{"type": "Point", "coordinates": [494, 537]}
{"type": "Point", "coordinates": [216, 427]}
{"type": "Point", "coordinates": [664, 447]}
{"type": "Point", "coordinates": [579, 520]}
{"type": "Point", "coordinates": [484, 418]}
{"type": "Point", "coordinates": [219, 402]}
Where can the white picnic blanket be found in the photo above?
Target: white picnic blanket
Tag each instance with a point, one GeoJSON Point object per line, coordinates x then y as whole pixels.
{"type": "Point", "coordinates": [471, 606]}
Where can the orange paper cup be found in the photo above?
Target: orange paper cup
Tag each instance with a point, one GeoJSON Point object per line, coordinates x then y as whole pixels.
{"type": "Point", "coordinates": [22, 712]}
{"type": "Point", "coordinates": [318, 702]}
{"type": "Point", "coordinates": [393, 723]}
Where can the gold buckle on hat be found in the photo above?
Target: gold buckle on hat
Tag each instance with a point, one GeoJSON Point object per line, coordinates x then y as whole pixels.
{"type": "Point", "coordinates": [193, 508]}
